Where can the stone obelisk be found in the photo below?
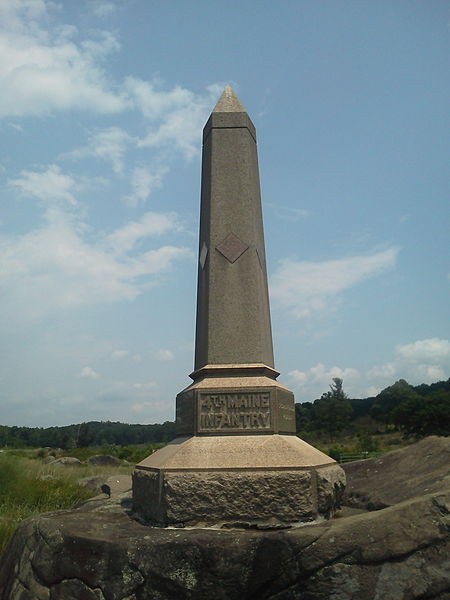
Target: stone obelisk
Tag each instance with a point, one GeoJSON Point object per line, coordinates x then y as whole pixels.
{"type": "Point", "coordinates": [236, 458]}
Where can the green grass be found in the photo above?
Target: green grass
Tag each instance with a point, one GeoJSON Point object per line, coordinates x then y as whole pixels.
{"type": "Point", "coordinates": [29, 487]}
{"type": "Point", "coordinates": [355, 442]}
{"type": "Point", "coordinates": [132, 453]}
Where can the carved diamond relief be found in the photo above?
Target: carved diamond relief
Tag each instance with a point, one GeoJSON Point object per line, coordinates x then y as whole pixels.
{"type": "Point", "coordinates": [203, 255]}
{"type": "Point", "coordinates": [232, 247]}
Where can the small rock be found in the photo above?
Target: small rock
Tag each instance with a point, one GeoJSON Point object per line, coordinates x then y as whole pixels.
{"type": "Point", "coordinates": [67, 461]}
{"type": "Point", "coordinates": [92, 483]}
{"type": "Point", "coordinates": [103, 460]}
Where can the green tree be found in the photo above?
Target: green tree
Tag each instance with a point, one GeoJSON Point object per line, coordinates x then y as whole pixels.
{"type": "Point", "coordinates": [389, 399]}
{"type": "Point", "coordinates": [419, 416]}
{"type": "Point", "coordinates": [85, 437]}
{"type": "Point", "coordinates": [333, 410]}
{"type": "Point", "coordinates": [304, 416]}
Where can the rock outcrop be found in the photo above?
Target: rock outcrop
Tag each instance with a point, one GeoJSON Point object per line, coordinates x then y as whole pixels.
{"type": "Point", "coordinates": [99, 551]}
{"type": "Point", "coordinates": [406, 473]}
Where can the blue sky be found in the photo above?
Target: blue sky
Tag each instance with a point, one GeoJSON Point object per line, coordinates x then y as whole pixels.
{"type": "Point", "coordinates": [102, 106]}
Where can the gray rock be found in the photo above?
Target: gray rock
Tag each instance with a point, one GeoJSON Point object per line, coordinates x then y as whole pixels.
{"type": "Point", "coordinates": [103, 460]}
{"type": "Point", "coordinates": [99, 551]}
{"type": "Point", "coordinates": [67, 461]}
{"type": "Point", "coordinates": [253, 498]}
{"type": "Point", "coordinates": [92, 483]}
{"type": "Point", "coordinates": [412, 471]}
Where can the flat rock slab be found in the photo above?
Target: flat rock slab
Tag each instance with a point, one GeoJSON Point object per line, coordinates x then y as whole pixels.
{"type": "Point", "coordinates": [99, 552]}
{"type": "Point", "coordinates": [406, 473]}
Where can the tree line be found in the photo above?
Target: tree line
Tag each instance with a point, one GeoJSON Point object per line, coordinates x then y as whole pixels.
{"type": "Point", "coordinates": [93, 433]}
{"type": "Point", "coordinates": [415, 411]}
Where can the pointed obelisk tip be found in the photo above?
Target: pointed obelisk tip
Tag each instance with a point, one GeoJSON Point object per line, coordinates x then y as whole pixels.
{"type": "Point", "coordinates": [228, 102]}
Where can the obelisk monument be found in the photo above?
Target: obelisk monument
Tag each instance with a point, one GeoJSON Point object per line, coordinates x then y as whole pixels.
{"type": "Point", "coordinates": [236, 459]}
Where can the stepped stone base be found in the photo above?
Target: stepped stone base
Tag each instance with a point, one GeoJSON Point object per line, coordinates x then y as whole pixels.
{"type": "Point", "coordinates": [256, 480]}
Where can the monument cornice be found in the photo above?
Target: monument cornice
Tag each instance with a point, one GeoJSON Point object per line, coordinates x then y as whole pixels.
{"type": "Point", "coordinates": [235, 370]}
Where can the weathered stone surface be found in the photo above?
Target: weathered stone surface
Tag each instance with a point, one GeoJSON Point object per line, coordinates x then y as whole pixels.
{"type": "Point", "coordinates": [330, 489]}
{"type": "Point", "coordinates": [98, 552]}
{"type": "Point", "coordinates": [418, 469]}
{"type": "Point", "coordinates": [254, 498]}
{"type": "Point", "coordinates": [233, 316]}
{"type": "Point", "coordinates": [103, 460]}
{"type": "Point", "coordinates": [219, 479]}
{"type": "Point", "coordinates": [236, 452]}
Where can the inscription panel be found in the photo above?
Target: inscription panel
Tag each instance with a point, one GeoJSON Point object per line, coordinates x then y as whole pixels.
{"type": "Point", "coordinates": [234, 411]}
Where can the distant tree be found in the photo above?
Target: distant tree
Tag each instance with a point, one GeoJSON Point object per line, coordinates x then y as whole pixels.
{"type": "Point", "coordinates": [389, 399]}
{"type": "Point", "coordinates": [85, 436]}
{"type": "Point", "coordinates": [333, 410]}
{"type": "Point", "coordinates": [419, 416]}
{"type": "Point", "coordinates": [304, 416]}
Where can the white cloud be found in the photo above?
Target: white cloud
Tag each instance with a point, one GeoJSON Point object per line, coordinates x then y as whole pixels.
{"type": "Point", "coordinates": [306, 288]}
{"type": "Point", "coordinates": [432, 349]}
{"type": "Point", "coordinates": [119, 354]}
{"type": "Point", "coordinates": [372, 391]}
{"type": "Point", "coordinates": [165, 355]}
{"type": "Point", "coordinates": [16, 126]}
{"type": "Point", "coordinates": [102, 9]}
{"type": "Point", "coordinates": [288, 213]}
{"type": "Point", "coordinates": [150, 224]}
{"type": "Point", "coordinates": [433, 373]}
{"type": "Point", "coordinates": [50, 185]}
{"type": "Point", "coordinates": [43, 68]}
{"type": "Point", "coordinates": [108, 144]}
{"type": "Point", "coordinates": [139, 407]}
{"type": "Point", "coordinates": [181, 112]}
{"type": "Point", "coordinates": [145, 390]}
{"type": "Point", "coordinates": [57, 267]}
{"type": "Point", "coordinates": [422, 361]}
{"type": "Point", "coordinates": [386, 371]}
{"type": "Point", "coordinates": [317, 379]}
{"type": "Point", "coordinates": [88, 373]}
{"type": "Point", "coordinates": [144, 182]}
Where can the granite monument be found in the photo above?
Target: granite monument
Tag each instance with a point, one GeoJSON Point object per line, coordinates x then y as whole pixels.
{"type": "Point", "coordinates": [236, 459]}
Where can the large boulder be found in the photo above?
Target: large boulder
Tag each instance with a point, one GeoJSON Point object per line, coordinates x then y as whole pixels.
{"type": "Point", "coordinates": [67, 461]}
{"type": "Point", "coordinates": [406, 473]}
{"type": "Point", "coordinates": [103, 460]}
{"type": "Point", "coordinates": [101, 551]}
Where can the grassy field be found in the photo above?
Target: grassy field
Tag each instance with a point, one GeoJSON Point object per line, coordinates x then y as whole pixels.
{"type": "Point", "coordinates": [28, 487]}
{"type": "Point", "coordinates": [356, 442]}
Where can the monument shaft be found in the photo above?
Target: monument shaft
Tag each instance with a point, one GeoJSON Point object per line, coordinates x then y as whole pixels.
{"type": "Point", "coordinates": [233, 318]}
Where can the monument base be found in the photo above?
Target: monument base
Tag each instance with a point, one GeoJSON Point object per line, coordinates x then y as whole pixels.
{"type": "Point", "coordinates": [243, 480]}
